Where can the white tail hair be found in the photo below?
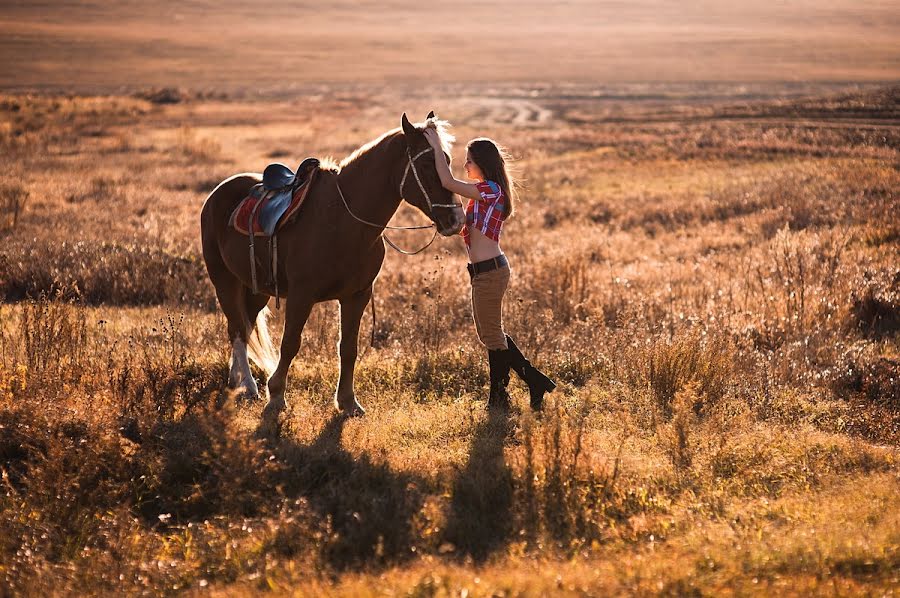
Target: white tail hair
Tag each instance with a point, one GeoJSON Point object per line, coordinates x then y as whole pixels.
{"type": "Point", "coordinates": [259, 344]}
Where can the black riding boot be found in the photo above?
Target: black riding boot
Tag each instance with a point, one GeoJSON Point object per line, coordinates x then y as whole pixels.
{"type": "Point", "coordinates": [537, 382]}
{"type": "Point", "coordinates": [499, 368]}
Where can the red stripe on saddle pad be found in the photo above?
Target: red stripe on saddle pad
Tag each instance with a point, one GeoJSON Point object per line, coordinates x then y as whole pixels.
{"type": "Point", "coordinates": [240, 218]}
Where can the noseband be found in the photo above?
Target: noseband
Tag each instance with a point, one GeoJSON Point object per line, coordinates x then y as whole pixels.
{"type": "Point", "coordinates": [411, 165]}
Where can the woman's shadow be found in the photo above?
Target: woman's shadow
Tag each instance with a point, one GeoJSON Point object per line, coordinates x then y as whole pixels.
{"type": "Point", "coordinates": [480, 519]}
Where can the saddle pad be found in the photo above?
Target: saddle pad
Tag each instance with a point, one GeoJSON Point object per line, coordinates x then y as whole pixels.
{"type": "Point", "coordinates": [274, 209]}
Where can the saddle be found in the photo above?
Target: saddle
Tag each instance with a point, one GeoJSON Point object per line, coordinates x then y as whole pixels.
{"type": "Point", "coordinates": [270, 205]}
{"type": "Point", "coordinates": [273, 203]}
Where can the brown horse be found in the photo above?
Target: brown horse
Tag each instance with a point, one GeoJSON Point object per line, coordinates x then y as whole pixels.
{"type": "Point", "coordinates": [332, 250]}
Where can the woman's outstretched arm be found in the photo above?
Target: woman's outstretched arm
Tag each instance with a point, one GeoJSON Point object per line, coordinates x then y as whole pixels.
{"type": "Point", "coordinates": [443, 169]}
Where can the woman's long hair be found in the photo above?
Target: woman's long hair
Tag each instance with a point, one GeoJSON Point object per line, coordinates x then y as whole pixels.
{"type": "Point", "coordinates": [492, 159]}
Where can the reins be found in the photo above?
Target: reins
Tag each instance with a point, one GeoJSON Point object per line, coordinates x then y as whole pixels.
{"type": "Point", "coordinates": [409, 166]}
{"type": "Point", "coordinates": [349, 211]}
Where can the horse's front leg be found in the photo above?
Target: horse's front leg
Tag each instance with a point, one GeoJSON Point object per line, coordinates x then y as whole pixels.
{"type": "Point", "coordinates": [296, 312]}
{"type": "Point", "coordinates": [352, 309]}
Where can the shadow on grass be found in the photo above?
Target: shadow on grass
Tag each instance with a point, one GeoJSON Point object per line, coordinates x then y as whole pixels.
{"type": "Point", "coordinates": [367, 509]}
{"type": "Point", "coordinates": [480, 520]}
{"type": "Point", "coordinates": [362, 512]}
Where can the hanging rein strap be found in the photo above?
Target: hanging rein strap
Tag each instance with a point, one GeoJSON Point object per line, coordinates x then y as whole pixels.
{"type": "Point", "coordinates": [376, 225]}
{"type": "Point", "coordinates": [404, 252]}
{"type": "Point", "coordinates": [410, 166]}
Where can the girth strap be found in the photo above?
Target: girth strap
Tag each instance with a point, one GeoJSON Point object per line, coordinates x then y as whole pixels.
{"type": "Point", "coordinates": [253, 247]}
{"type": "Point", "coordinates": [275, 269]}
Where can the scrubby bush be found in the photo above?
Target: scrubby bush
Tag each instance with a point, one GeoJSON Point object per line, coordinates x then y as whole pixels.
{"type": "Point", "coordinates": [103, 273]}
{"type": "Point", "coordinates": [668, 367]}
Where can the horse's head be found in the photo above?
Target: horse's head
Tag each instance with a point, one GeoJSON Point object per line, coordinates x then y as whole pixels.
{"type": "Point", "coordinates": [421, 185]}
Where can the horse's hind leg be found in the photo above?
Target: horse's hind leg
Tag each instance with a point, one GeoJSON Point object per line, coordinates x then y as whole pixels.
{"type": "Point", "coordinates": [232, 299]}
{"type": "Point", "coordinates": [352, 309]}
{"type": "Point", "coordinates": [230, 291]}
{"type": "Point", "coordinates": [240, 373]}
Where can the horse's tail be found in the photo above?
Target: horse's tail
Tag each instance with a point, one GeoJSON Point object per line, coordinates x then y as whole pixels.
{"type": "Point", "coordinates": [259, 344]}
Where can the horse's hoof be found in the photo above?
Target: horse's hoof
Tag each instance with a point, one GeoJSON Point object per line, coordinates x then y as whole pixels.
{"type": "Point", "coordinates": [267, 428]}
{"type": "Point", "coordinates": [273, 409]}
{"type": "Point", "coordinates": [268, 421]}
{"type": "Point", "coordinates": [353, 409]}
{"type": "Point", "coordinates": [250, 389]}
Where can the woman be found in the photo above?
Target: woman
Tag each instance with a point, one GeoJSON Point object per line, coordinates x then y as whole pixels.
{"type": "Point", "coordinates": [490, 204]}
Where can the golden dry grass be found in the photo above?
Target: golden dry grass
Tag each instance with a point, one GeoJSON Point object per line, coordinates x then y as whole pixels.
{"type": "Point", "coordinates": [714, 284]}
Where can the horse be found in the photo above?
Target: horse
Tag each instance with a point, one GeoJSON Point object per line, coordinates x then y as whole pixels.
{"type": "Point", "coordinates": [334, 250]}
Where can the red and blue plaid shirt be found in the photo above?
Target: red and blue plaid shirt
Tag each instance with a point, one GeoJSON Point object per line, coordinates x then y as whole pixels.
{"type": "Point", "coordinates": [485, 214]}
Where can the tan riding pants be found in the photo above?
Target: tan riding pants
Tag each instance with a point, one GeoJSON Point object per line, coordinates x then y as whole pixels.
{"type": "Point", "coordinates": [488, 289]}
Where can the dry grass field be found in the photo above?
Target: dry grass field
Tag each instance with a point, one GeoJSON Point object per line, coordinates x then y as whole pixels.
{"type": "Point", "coordinates": [713, 280]}
{"type": "Point", "coordinates": [706, 257]}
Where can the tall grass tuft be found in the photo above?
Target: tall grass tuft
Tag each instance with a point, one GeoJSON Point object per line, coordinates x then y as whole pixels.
{"type": "Point", "coordinates": [563, 499]}
{"type": "Point", "coordinates": [677, 435]}
{"type": "Point", "coordinates": [668, 367]}
{"type": "Point", "coordinates": [13, 198]}
{"type": "Point", "coordinates": [54, 339]}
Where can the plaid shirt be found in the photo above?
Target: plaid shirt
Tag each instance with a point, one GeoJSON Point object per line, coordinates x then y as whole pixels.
{"type": "Point", "coordinates": [487, 213]}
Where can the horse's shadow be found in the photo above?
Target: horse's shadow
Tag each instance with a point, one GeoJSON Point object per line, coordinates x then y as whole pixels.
{"type": "Point", "coordinates": [371, 509]}
{"type": "Point", "coordinates": [480, 519]}
{"type": "Point", "coordinates": [367, 510]}
{"type": "Point", "coordinates": [362, 513]}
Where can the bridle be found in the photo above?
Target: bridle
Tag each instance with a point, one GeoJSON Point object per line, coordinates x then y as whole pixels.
{"type": "Point", "coordinates": [410, 165]}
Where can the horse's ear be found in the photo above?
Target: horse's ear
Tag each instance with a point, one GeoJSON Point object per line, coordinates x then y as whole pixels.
{"type": "Point", "coordinates": [430, 115]}
{"type": "Point", "coordinates": [408, 129]}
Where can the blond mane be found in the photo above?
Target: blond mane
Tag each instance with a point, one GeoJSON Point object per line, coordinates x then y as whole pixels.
{"type": "Point", "coordinates": [443, 129]}
{"type": "Point", "coordinates": [441, 126]}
